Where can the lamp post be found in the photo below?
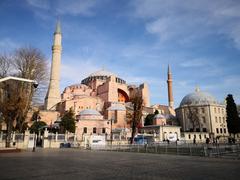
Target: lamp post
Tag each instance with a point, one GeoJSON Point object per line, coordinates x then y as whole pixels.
{"type": "Point", "coordinates": [163, 132]}
{"type": "Point", "coordinates": [35, 134]}
{"type": "Point", "coordinates": [35, 83]}
{"type": "Point", "coordinates": [111, 136]}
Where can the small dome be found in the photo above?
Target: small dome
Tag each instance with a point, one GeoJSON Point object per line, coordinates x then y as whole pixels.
{"type": "Point", "coordinates": [159, 116]}
{"type": "Point", "coordinates": [117, 107]}
{"type": "Point", "coordinates": [89, 112]}
{"type": "Point", "coordinates": [198, 98]}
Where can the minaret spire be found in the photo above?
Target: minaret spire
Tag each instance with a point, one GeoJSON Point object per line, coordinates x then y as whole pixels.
{"type": "Point", "coordinates": [58, 27]}
{"type": "Point", "coordinates": [53, 96]}
{"type": "Point", "coordinates": [170, 93]}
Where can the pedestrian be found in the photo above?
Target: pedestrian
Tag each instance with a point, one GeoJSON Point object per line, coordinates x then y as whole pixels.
{"type": "Point", "coordinates": [194, 140]}
{"type": "Point", "coordinates": [207, 141]}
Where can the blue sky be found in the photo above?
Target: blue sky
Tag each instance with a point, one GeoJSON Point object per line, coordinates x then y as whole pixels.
{"type": "Point", "coordinates": [135, 39]}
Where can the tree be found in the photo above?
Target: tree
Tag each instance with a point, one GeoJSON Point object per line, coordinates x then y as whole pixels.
{"type": "Point", "coordinates": [149, 118]}
{"type": "Point", "coordinates": [68, 122]}
{"type": "Point", "coordinates": [37, 126]}
{"type": "Point", "coordinates": [16, 96]}
{"type": "Point", "coordinates": [233, 120]}
{"type": "Point", "coordinates": [137, 103]}
{"type": "Point", "coordinates": [156, 112]}
{"type": "Point", "coordinates": [193, 116]}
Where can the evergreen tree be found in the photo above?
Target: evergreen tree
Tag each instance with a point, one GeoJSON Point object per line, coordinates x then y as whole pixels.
{"type": "Point", "coordinates": [233, 120]}
{"type": "Point", "coordinates": [36, 126]}
{"type": "Point", "coordinates": [68, 122]}
{"type": "Point", "coordinates": [149, 118]}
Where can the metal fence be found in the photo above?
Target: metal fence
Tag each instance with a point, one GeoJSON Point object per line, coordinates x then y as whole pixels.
{"type": "Point", "coordinates": [222, 150]}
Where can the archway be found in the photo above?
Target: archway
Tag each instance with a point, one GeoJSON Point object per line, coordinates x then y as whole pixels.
{"type": "Point", "coordinates": [122, 96]}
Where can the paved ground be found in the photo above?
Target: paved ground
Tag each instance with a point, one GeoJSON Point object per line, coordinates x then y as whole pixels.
{"type": "Point", "coordinates": [85, 165]}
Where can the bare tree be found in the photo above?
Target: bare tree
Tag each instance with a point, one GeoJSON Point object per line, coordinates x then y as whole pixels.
{"type": "Point", "coordinates": [193, 116]}
{"type": "Point", "coordinates": [26, 63]}
{"type": "Point", "coordinates": [4, 65]}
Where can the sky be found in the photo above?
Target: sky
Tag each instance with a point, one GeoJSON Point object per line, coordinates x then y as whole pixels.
{"type": "Point", "coordinates": [135, 39]}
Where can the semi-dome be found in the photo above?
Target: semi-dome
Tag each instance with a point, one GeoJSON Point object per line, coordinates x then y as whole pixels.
{"type": "Point", "coordinates": [198, 98]}
{"type": "Point", "coordinates": [89, 112]}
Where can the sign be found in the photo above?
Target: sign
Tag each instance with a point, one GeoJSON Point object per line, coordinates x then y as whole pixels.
{"type": "Point", "coordinates": [172, 137]}
{"type": "Point", "coordinates": [97, 140]}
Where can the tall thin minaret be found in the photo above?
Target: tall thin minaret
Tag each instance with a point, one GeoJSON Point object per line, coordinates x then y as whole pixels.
{"type": "Point", "coordinates": [53, 96]}
{"type": "Point", "coordinates": [170, 93]}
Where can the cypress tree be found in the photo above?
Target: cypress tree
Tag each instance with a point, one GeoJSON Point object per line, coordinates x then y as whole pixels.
{"type": "Point", "coordinates": [233, 120]}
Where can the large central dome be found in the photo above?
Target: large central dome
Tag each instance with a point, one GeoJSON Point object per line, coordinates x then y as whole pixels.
{"type": "Point", "coordinates": [102, 75]}
{"type": "Point", "coordinates": [198, 98]}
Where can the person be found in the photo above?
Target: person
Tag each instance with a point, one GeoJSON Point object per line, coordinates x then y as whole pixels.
{"type": "Point", "coordinates": [194, 140]}
{"type": "Point", "coordinates": [177, 142]}
{"type": "Point", "coordinates": [207, 141]}
{"type": "Point", "coordinates": [168, 141]}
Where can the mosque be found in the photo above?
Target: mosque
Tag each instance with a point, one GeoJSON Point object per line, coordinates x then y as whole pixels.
{"type": "Point", "coordinates": [101, 103]}
{"type": "Point", "coordinates": [100, 100]}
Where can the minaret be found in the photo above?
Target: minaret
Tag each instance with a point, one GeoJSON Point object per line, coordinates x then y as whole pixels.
{"type": "Point", "coordinates": [53, 96]}
{"type": "Point", "coordinates": [170, 94]}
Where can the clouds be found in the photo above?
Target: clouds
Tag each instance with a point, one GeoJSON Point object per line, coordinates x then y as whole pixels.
{"type": "Point", "coordinates": [7, 44]}
{"type": "Point", "coordinates": [189, 21]}
{"type": "Point", "coordinates": [41, 4]}
{"type": "Point", "coordinates": [76, 7]}
{"type": "Point", "coordinates": [73, 69]}
{"type": "Point", "coordinates": [195, 63]}
{"type": "Point", "coordinates": [136, 40]}
{"type": "Point", "coordinates": [62, 7]}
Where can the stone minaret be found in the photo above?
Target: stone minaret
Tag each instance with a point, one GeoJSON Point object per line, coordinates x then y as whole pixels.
{"type": "Point", "coordinates": [170, 93]}
{"type": "Point", "coordinates": [53, 96]}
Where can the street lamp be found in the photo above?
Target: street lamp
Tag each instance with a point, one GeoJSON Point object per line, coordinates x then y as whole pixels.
{"type": "Point", "coordinates": [111, 135]}
{"type": "Point", "coordinates": [35, 135]}
{"type": "Point", "coordinates": [163, 135]}
{"type": "Point", "coordinates": [35, 83]}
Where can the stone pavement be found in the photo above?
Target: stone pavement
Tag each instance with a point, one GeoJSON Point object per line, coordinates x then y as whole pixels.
{"type": "Point", "coordinates": [74, 164]}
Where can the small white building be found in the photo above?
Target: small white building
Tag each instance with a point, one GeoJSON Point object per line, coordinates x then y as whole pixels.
{"type": "Point", "coordinates": [162, 132]}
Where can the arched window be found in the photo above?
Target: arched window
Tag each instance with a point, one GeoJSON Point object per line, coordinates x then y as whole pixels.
{"type": "Point", "coordinates": [122, 96]}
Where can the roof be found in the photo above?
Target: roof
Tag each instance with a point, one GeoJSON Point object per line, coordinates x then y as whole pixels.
{"type": "Point", "coordinates": [159, 116]}
{"type": "Point", "coordinates": [198, 98]}
{"type": "Point", "coordinates": [102, 73]}
{"type": "Point", "coordinates": [88, 112]}
{"type": "Point", "coordinates": [117, 107]}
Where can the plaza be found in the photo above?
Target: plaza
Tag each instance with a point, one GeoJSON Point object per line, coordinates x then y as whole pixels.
{"type": "Point", "coordinates": [82, 164]}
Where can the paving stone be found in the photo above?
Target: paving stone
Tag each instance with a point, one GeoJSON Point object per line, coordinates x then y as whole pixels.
{"type": "Point", "coordinates": [60, 164]}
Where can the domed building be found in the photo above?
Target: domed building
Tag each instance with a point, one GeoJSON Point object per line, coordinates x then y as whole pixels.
{"type": "Point", "coordinates": [200, 112]}
{"type": "Point", "coordinates": [90, 122]}
{"type": "Point", "coordinates": [159, 119]}
{"type": "Point", "coordinates": [104, 92]}
{"type": "Point", "coordinates": [99, 98]}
